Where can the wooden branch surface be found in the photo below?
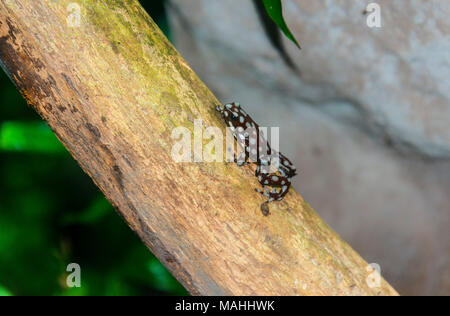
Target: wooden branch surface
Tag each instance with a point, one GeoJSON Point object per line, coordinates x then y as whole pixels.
{"type": "Point", "coordinates": [113, 89]}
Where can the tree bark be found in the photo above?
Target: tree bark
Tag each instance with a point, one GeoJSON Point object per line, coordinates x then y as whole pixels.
{"type": "Point", "coordinates": [112, 89]}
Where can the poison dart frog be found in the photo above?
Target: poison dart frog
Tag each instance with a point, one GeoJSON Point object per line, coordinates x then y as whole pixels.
{"type": "Point", "coordinates": [273, 170]}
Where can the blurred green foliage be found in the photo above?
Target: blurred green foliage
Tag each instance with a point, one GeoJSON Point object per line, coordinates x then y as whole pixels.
{"type": "Point", "coordinates": [51, 214]}
{"type": "Point", "coordinates": [32, 136]}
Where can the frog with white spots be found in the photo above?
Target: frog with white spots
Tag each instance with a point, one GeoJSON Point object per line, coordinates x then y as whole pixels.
{"type": "Point", "coordinates": [273, 169]}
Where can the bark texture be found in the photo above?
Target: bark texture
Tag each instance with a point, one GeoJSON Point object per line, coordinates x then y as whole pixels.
{"type": "Point", "coordinates": [112, 89]}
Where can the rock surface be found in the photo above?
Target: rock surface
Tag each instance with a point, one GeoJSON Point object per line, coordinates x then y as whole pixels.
{"type": "Point", "coordinates": [367, 121]}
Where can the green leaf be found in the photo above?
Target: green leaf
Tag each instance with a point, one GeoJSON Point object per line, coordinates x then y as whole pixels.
{"type": "Point", "coordinates": [275, 10]}
{"type": "Point", "coordinates": [29, 137]}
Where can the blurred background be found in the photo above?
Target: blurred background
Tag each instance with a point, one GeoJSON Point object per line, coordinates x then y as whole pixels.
{"type": "Point", "coordinates": [364, 114]}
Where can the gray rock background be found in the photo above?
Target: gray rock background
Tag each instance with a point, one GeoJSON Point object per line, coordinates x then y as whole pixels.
{"type": "Point", "coordinates": [367, 121]}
